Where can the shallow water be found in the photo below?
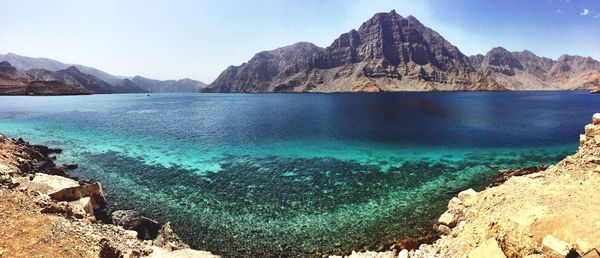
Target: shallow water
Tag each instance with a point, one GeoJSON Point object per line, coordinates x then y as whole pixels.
{"type": "Point", "coordinates": [298, 174]}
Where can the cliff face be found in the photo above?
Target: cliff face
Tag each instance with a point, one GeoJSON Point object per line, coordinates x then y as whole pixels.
{"type": "Point", "coordinates": [392, 53]}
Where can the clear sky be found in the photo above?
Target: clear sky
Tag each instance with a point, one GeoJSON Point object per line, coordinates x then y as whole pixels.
{"type": "Point", "coordinates": [172, 39]}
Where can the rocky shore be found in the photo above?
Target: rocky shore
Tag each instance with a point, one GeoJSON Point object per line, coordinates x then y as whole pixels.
{"type": "Point", "coordinates": [551, 213]}
{"type": "Point", "coordinates": [46, 213]}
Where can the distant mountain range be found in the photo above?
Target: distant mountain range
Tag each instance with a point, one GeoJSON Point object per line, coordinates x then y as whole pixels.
{"type": "Point", "coordinates": [77, 79]}
{"type": "Point", "coordinates": [392, 53]}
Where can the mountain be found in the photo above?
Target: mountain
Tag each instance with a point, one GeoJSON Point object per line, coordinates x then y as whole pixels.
{"type": "Point", "coordinates": [183, 85]}
{"type": "Point", "coordinates": [392, 53]}
{"type": "Point", "coordinates": [24, 63]}
{"type": "Point", "coordinates": [72, 76]}
{"type": "Point", "coordinates": [28, 63]}
{"type": "Point", "coordinates": [12, 83]}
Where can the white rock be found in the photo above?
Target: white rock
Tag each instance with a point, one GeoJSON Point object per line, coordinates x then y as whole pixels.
{"type": "Point", "coordinates": [447, 219]}
{"type": "Point", "coordinates": [85, 204]}
{"type": "Point", "coordinates": [444, 229]}
{"type": "Point", "coordinates": [403, 254]}
{"type": "Point", "coordinates": [582, 139]}
{"type": "Point", "coordinates": [583, 246]}
{"type": "Point", "coordinates": [57, 187]}
{"type": "Point", "coordinates": [455, 204]}
{"type": "Point", "coordinates": [4, 169]}
{"type": "Point", "coordinates": [468, 196]}
{"type": "Point", "coordinates": [596, 119]}
{"type": "Point", "coordinates": [488, 249]}
{"type": "Point", "coordinates": [592, 130]}
{"type": "Point", "coordinates": [553, 246]}
{"type": "Point", "coordinates": [131, 233]}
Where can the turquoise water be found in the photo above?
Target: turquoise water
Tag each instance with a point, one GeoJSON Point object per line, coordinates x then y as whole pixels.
{"type": "Point", "coordinates": [298, 174]}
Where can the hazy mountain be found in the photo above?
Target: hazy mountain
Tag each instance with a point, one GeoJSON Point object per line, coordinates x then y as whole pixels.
{"type": "Point", "coordinates": [183, 85]}
{"type": "Point", "coordinates": [13, 83]}
{"type": "Point", "coordinates": [28, 63]}
{"type": "Point", "coordinates": [24, 63]}
{"type": "Point", "coordinates": [392, 53]}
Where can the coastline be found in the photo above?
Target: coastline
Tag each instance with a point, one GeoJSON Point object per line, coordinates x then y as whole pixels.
{"type": "Point", "coordinates": [530, 214]}
{"type": "Point", "coordinates": [550, 213]}
{"type": "Point", "coordinates": [47, 212]}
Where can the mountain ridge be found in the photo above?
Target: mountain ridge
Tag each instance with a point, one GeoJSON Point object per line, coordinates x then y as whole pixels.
{"type": "Point", "coordinates": [24, 63]}
{"type": "Point", "coordinates": [393, 53]}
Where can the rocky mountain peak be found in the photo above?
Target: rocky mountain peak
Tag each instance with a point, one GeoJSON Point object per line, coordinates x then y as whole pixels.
{"type": "Point", "coordinates": [7, 68]}
{"type": "Point", "coordinates": [389, 52]}
{"type": "Point", "coordinates": [501, 60]}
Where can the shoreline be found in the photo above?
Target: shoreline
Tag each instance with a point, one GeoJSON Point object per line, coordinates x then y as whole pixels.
{"type": "Point", "coordinates": [475, 224]}
{"type": "Point", "coordinates": [28, 175]}
{"type": "Point", "coordinates": [533, 212]}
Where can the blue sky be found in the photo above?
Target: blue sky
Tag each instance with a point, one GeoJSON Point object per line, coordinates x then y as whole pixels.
{"type": "Point", "coordinates": [198, 39]}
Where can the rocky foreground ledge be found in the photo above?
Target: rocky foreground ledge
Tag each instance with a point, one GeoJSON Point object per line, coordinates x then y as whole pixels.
{"type": "Point", "coordinates": [45, 213]}
{"type": "Point", "coordinates": [552, 213]}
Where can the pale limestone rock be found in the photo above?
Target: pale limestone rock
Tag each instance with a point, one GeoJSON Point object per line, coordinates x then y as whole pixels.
{"type": "Point", "coordinates": [597, 169]}
{"type": "Point", "coordinates": [85, 204]}
{"type": "Point", "coordinates": [444, 229]}
{"type": "Point", "coordinates": [4, 169]}
{"type": "Point", "coordinates": [447, 219]}
{"type": "Point", "coordinates": [57, 187]}
{"type": "Point", "coordinates": [596, 119]}
{"type": "Point", "coordinates": [403, 254]}
{"type": "Point", "coordinates": [583, 246]}
{"type": "Point", "coordinates": [597, 139]}
{"type": "Point", "coordinates": [582, 139]}
{"type": "Point", "coordinates": [488, 249]}
{"type": "Point", "coordinates": [592, 130]}
{"type": "Point", "coordinates": [555, 247]}
{"type": "Point", "coordinates": [593, 159]}
{"type": "Point", "coordinates": [468, 196]}
{"type": "Point", "coordinates": [455, 204]}
{"type": "Point", "coordinates": [131, 233]}
{"type": "Point", "coordinates": [94, 191]}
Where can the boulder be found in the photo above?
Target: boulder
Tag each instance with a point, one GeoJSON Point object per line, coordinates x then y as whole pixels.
{"type": "Point", "coordinates": [57, 187]}
{"type": "Point", "coordinates": [167, 239]}
{"type": "Point", "coordinates": [554, 247]}
{"type": "Point", "coordinates": [596, 119]}
{"type": "Point", "coordinates": [468, 196]}
{"type": "Point", "coordinates": [448, 219]}
{"type": "Point", "coordinates": [94, 191]}
{"type": "Point", "coordinates": [403, 254]}
{"type": "Point", "coordinates": [444, 229]}
{"type": "Point", "coordinates": [85, 204]}
{"type": "Point", "coordinates": [582, 139]}
{"type": "Point", "coordinates": [455, 204]}
{"type": "Point", "coordinates": [133, 220]}
{"type": "Point", "coordinates": [488, 249]}
{"type": "Point", "coordinates": [592, 130]}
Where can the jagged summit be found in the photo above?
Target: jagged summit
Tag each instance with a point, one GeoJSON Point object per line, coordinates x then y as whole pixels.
{"type": "Point", "coordinates": [389, 52]}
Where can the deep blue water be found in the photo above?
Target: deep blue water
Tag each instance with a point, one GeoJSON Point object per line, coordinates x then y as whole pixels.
{"type": "Point", "coordinates": [298, 174]}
